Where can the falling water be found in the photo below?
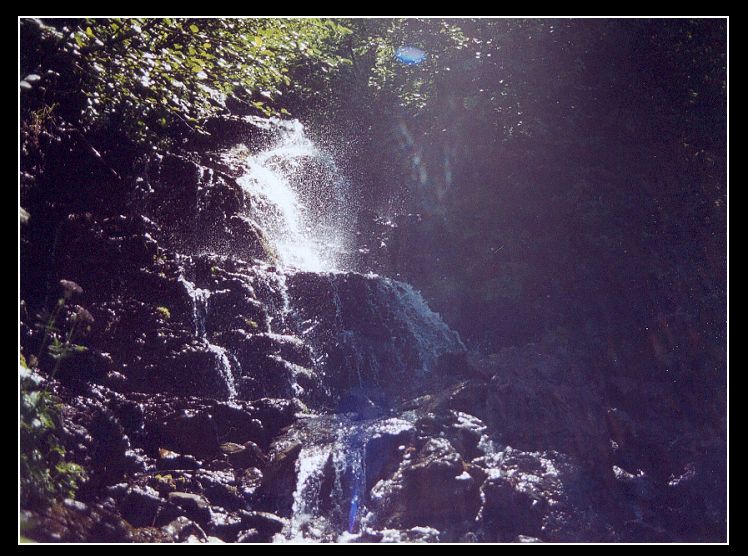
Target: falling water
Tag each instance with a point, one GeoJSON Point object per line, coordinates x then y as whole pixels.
{"type": "Point", "coordinates": [303, 205]}
{"type": "Point", "coordinates": [300, 200]}
{"type": "Point", "coordinates": [200, 297]}
{"type": "Point", "coordinates": [330, 480]}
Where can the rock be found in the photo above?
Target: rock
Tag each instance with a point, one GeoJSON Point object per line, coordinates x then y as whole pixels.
{"type": "Point", "coordinates": [76, 522]}
{"type": "Point", "coordinates": [225, 496]}
{"type": "Point", "coordinates": [266, 524]}
{"type": "Point", "coordinates": [90, 366]}
{"type": "Point", "coordinates": [526, 539]}
{"type": "Point", "coordinates": [384, 449]}
{"type": "Point", "coordinates": [508, 512]}
{"type": "Point", "coordinates": [541, 398]}
{"type": "Point", "coordinates": [184, 530]}
{"type": "Point", "coordinates": [196, 506]}
{"type": "Point", "coordinates": [430, 488]}
{"type": "Point", "coordinates": [368, 327]}
{"type": "Point", "coordinates": [249, 536]}
{"type": "Point", "coordinates": [228, 310]}
{"type": "Point", "coordinates": [235, 424]}
{"type": "Point", "coordinates": [168, 460]}
{"type": "Point", "coordinates": [362, 403]}
{"type": "Point", "coordinates": [275, 414]}
{"type": "Point", "coordinates": [225, 526]}
{"type": "Point", "coordinates": [111, 452]}
{"type": "Point", "coordinates": [242, 456]}
{"type": "Point", "coordinates": [189, 431]}
{"type": "Point", "coordinates": [279, 482]}
{"type": "Point", "coordinates": [141, 506]}
{"type": "Point", "coordinates": [540, 494]}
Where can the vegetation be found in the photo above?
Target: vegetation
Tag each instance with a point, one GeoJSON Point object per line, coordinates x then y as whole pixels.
{"type": "Point", "coordinates": [150, 75]}
{"type": "Point", "coordinates": [164, 312]}
{"type": "Point", "coordinates": [558, 174]}
{"type": "Point", "coordinates": [46, 474]}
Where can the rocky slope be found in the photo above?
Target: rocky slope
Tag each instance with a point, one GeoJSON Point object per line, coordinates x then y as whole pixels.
{"type": "Point", "coordinates": [227, 396]}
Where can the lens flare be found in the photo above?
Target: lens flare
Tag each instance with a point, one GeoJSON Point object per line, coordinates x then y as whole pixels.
{"type": "Point", "coordinates": [410, 55]}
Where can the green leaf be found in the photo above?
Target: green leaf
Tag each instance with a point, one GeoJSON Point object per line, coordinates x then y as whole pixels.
{"type": "Point", "coordinates": [194, 28]}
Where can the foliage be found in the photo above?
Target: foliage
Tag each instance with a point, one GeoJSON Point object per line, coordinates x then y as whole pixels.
{"type": "Point", "coordinates": [46, 475]}
{"type": "Point", "coordinates": [151, 74]}
{"type": "Point", "coordinates": [564, 171]}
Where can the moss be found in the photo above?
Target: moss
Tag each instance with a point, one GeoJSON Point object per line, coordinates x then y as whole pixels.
{"type": "Point", "coordinates": [164, 312]}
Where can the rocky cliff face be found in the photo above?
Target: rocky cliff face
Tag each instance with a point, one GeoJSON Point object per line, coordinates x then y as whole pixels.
{"type": "Point", "coordinates": [232, 393]}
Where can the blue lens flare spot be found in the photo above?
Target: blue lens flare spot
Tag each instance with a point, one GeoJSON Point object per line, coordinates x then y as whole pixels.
{"type": "Point", "coordinates": [410, 55]}
{"type": "Point", "coordinates": [353, 515]}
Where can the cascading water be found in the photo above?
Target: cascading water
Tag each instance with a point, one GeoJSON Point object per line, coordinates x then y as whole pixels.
{"type": "Point", "coordinates": [364, 331]}
{"type": "Point", "coordinates": [330, 499]}
{"type": "Point", "coordinates": [199, 297]}
{"type": "Point", "coordinates": [301, 200]}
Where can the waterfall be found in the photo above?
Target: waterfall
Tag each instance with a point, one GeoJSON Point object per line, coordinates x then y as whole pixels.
{"type": "Point", "coordinates": [329, 498]}
{"type": "Point", "coordinates": [372, 340]}
{"type": "Point", "coordinates": [301, 200]}
{"type": "Point", "coordinates": [200, 297]}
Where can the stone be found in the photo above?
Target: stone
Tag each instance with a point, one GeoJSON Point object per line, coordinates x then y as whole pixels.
{"type": "Point", "coordinates": [140, 506]}
{"type": "Point", "coordinates": [236, 424]}
{"type": "Point", "coordinates": [243, 456]}
{"type": "Point", "coordinates": [184, 530]}
{"type": "Point", "coordinates": [196, 506]}
{"type": "Point", "coordinates": [265, 523]}
{"type": "Point", "coordinates": [190, 432]}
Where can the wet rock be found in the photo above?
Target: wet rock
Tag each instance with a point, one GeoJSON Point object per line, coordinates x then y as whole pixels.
{"type": "Point", "coordinates": [224, 525]}
{"type": "Point", "coordinates": [194, 371]}
{"type": "Point", "coordinates": [275, 414]}
{"type": "Point", "coordinates": [250, 536]}
{"type": "Point", "coordinates": [526, 539]}
{"type": "Point", "coordinates": [110, 452]}
{"type": "Point", "coordinates": [168, 460]}
{"type": "Point", "coordinates": [372, 329]}
{"type": "Point", "coordinates": [540, 494]}
{"type": "Point", "coordinates": [232, 308]}
{"type": "Point", "coordinates": [697, 496]}
{"type": "Point", "coordinates": [72, 521]}
{"type": "Point", "coordinates": [140, 506]}
{"type": "Point", "coordinates": [508, 512]}
{"type": "Point", "coordinates": [99, 254]}
{"type": "Point", "coordinates": [453, 367]}
{"type": "Point", "coordinates": [90, 365]}
{"type": "Point", "coordinates": [225, 496]}
{"type": "Point", "coordinates": [184, 530]}
{"type": "Point", "coordinates": [540, 398]}
{"type": "Point", "coordinates": [196, 506]}
{"type": "Point", "coordinates": [236, 424]}
{"type": "Point", "coordinates": [249, 480]}
{"type": "Point", "coordinates": [195, 204]}
{"type": "Point", "coordinates": [279, 483]}
{"type": "Point", "coordinates": [431, 488]}
{"type": "Point", "coordinates": [131, 416]}
{"type": "Point", "coordinates": [188, 431]}
{"type": "Point", "coordinates": [242, 456]}
{"type": "Point", "coordinates": [266, 524]}
{"type": "Point", "coordinates": [362, 404]}
{"type": "Point", "coordinates": [385, 447]}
